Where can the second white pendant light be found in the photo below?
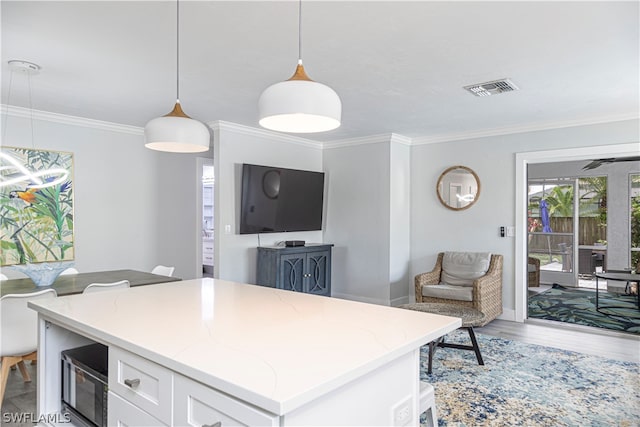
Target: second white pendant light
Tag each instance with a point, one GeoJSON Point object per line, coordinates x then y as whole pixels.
{"type": "Point", "coordinates": [299, 105]}
{"type": "Point", "coordinates": [176, 132]}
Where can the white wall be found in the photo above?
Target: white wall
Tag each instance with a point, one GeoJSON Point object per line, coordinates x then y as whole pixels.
{"type": "Point", "coordinates": [134, 208]}
{"type": "Point", "coordinates": [235, 254]}
{"type": "Point", "coordinates": [178, 180]}
{"type": "Point", "coordinates": [358, 217]}
{"type": "Point", "coordinates": [435, 228]}
{"type": "Point", "coordinates": [399, 222]}
{"type": "Point", "coordinates": [116, 196]}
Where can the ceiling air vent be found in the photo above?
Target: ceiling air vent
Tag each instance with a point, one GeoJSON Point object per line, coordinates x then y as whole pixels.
{"type": "Point", "coordinates": [492, 88]}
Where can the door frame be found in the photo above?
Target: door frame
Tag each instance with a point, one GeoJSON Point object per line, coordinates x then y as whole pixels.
{"type": "Point", "coordinates": [547, 156]}
{"type": "Point", "coordinates": [200, 163]}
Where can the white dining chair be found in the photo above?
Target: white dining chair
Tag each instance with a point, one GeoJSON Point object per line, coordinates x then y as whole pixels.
{"type": "Point", "coordinates": [18, 333]}
{"type": "Point", "coordinates": [99, 287]}
{"type": "Point", "coordinates": [69, 270]}
{"type": "Point", "coordinates": [163, 270]}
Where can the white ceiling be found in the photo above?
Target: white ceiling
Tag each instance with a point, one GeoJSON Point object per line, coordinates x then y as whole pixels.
{"type": "Point", "coordinates": [398, 66]}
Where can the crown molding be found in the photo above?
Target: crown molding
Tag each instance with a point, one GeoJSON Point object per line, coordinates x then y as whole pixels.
{"type": "Point", "coordinates": [14, 111]}
{"type": "Point", "coordinates": [508, 130]}
{"type": "Point", "coordinates": [401, 139]}
{"type": "Point", "coordinates": [372, 139]}
{"type": "Point", "coordinates": [262, 133]}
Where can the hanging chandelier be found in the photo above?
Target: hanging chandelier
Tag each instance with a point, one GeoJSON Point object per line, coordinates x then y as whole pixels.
{"type": "Point", "coordinates": [299, 105]}
{"type": "Point", "coordinates": [176, 132]}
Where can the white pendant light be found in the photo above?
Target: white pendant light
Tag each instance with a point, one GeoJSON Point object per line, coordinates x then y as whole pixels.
{"type": "Point", "coordinates": [176, 132]}
{"type": "Point", "coordinates": [299, 105]}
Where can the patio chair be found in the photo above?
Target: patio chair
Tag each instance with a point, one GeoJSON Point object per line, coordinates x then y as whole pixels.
{"type": "Point", "coordinates": [586, 262]}
{"type": "Point", "coordinates": [533, 272]}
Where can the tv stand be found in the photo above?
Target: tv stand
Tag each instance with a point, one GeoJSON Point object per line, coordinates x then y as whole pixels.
{"type": "Point", "coordinates": [296, 268]}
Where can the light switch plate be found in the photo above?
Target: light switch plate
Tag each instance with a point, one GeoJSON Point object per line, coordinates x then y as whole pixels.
{"type": "Point", "coordinates": [511, 231]}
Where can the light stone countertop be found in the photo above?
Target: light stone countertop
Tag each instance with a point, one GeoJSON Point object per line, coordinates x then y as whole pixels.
{"type": "Point", "coordinates": [272, 348]}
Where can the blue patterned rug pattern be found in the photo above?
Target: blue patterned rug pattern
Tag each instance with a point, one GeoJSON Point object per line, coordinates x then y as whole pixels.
{"type": "Point", "coordinates": [579, 306]}
{"type": "Point", "coordinates": [529, 385]}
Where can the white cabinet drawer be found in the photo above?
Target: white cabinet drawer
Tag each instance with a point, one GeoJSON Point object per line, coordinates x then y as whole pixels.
{"type": "Point", "coordinates": [145, 384]}
{"type": "Point", "coordinates": [197, 405]}
{"type": "Point", "coordinates": [207, 259]}
{"type": "Point", "coordinates": [123, 414]}
{"type": "Point", "coordinates": [207, 247]}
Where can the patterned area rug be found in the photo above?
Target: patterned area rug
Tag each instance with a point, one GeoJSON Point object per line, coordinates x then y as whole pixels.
{"type": "Point", "coordinates": [529, 385]}
{"type": "Point", "coordinates": [579, 306]}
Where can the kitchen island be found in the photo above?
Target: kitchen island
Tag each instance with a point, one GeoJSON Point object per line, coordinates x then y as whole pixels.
{"type": "Point", "coordinates": [204, 351]}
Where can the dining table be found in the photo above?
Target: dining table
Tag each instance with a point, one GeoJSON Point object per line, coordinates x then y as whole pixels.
{"type": "Point", "coordinates": [70, 284]}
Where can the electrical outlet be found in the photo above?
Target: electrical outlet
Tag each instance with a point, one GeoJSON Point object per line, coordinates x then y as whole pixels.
{"type": "Point", "coordinates": [227, 229]}
{"type": "Point", "coordinates": [402, 412]}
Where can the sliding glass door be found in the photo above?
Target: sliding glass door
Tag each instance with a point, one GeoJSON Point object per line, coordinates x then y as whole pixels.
{"type": "Point", "coordinates": [551, 225]}
{"type": "Point", "coordinates": [634, 182]}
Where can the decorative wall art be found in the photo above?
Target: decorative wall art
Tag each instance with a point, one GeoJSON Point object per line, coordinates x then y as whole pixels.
{"type": "Point", "coordinates": [36, 206]}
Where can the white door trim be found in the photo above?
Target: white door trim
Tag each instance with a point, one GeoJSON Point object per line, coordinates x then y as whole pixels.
{"type": "Point", "coordinates": [548, 156]}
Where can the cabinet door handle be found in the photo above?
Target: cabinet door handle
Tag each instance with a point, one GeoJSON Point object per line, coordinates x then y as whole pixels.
{"type": "Point", "coordinates": [132, 383]}
{"type": "Point", "coordinates": [218, 424]}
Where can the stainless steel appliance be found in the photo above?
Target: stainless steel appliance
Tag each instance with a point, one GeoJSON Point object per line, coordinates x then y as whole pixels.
{"type": "Point", "coordinates": [84, 384]}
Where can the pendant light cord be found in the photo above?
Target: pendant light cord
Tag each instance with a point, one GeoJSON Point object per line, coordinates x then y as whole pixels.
{"type": "Point", "coordinates": [6, 115]}
{"type": "Point", "coordinates": [33, 145]}
{"type": "Point", "coordinates": [299, 31]}
{"type": "Point", "coordinates": [178, 50]}
{"type": "Point", "coordinates": [7, 106]}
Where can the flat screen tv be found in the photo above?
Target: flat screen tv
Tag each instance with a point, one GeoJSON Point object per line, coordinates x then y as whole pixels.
{"type": "Point", "coordinates": [278, 200]}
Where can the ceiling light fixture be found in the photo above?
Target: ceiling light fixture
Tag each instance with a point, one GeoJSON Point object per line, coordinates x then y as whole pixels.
{"type": "Point", "coordinates": [12, 171]}
{"type": "Point", "coordinates": [299, 105]}
{"type": "Point", "coordinates": [176, 132]}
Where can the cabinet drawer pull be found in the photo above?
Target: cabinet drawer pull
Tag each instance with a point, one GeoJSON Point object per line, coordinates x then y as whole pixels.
{"type": "Point", "coordinates": [132, 383]}
{"type": "Point", "coordinates": [218, 424]}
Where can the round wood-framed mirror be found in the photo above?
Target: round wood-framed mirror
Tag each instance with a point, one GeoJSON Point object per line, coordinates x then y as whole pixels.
{"type": "Point", "coordinates": [458, 188]}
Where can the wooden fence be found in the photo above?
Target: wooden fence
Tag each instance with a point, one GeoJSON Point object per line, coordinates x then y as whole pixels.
{"type": "Point", "coordinates": [589, 233]}
{"type": "Point", "coordinates": [589, 229]}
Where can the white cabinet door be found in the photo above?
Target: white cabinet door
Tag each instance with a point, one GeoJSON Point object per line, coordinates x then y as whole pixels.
{"type": "Point", "coordinates": [123, 414]}
{"type": "Point", "coordinates": [145, 384]}
{"type": "Point", "coordinates": [198, 405]}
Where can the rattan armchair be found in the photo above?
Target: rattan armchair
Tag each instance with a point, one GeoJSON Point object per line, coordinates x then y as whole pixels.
{"type": "Point", "coordinates": [487, 290]}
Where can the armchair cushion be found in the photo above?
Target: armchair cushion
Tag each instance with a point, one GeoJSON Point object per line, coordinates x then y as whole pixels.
{"type": "Point", "coordinates": [462, 268]}
{"type": "Point", "coordinates": [455, 292]}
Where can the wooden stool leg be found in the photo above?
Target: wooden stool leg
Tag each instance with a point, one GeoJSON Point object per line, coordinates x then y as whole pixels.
{"type": "Point", "coordinates": [6, 362]}
{"type": "Point", "coordinates": [476, 348]}
{"type": "Point", "coordinates": [23, 370]}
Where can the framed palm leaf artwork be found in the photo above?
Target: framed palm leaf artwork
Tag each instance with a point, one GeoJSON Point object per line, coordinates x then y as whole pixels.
{"type": "Point", "coordinates": [36, 206]}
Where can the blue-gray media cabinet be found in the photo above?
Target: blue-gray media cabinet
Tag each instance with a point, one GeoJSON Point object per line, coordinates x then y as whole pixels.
{"type": "Point", "coordinates": [300, 268]}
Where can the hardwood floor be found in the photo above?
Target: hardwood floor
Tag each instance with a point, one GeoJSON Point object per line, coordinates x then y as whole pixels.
{"type": "Point", "coordinates": [583, 339]}
{"type": "Point", "coordinates": [21, 397]}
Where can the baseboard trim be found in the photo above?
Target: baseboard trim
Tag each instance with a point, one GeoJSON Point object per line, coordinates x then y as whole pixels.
{"type": "Point", "coordinates": [359, 298]}
{"type": "Point", "coordinates": [508, 314]}
{"type": "Point", "coordinates": [399, 301]}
